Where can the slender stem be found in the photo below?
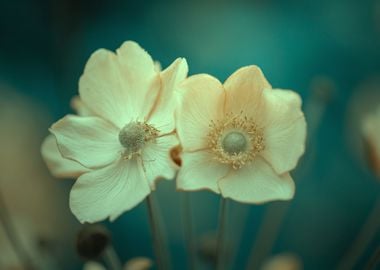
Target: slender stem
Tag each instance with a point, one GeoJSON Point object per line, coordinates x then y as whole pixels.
{"type": "Point", "coordinates": [367, 232]}
{"type": "Point", "coordinates": [112, 259]}
{"type": "Point", "coordinates": [240, 219]}
{"type": "Point", "coordinates": [13, 237]}
{"type": "Point", "coordinates": [162, 257]}
{"type": "Point", "coordinates": [188, 230]}
{"type": "Point", "coordinates": [267, 234]}
{"type": "Point", "coordinates": [374, 261]}
{"type": "Point", "coordinates": [221, 234]}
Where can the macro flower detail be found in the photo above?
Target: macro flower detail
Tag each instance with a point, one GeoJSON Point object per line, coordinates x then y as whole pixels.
{"type": "Point", "coordinates": [126, 140]}
{"type": "Point", "coordinates": [240, 139]}
{"type": "Point", "coordinates": [235, 140]}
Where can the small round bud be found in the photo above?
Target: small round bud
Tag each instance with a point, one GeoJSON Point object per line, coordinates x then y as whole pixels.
{"type": "Point", "coordinates": [92, 240]}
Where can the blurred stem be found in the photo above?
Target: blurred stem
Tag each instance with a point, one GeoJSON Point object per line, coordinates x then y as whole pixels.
{"type": "Point", "coordinates": [161, 253]}
{"type": "Point", "coordinates": [188, 230]}
{"type": "Point", "coordinates": [13, 237]}
{"type": "Point", "coordinates": [221, 234]}
{"type": "Point", "coordinates": [366, 234]}
{"type": "Point", "coordinates": [112, 259]}
{"type": "Point", "coordinates": [241, 222]}
{"type": "Point", "coordinates": [315, 107]}
{"type": "Point", "coordinates": [267, 234]}
{"type": "Point", "coordinates": [374, 261]}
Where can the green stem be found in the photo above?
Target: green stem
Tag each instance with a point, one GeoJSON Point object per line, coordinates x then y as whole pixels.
{"type": "Point", "coordinates": [367, 232]}
{"type": "Point", "coordinates": [374, 261]}
{"type": "Point", "coordinates": [241, 216]}
{"type": "Point", "coordinates": [267, 234]}
{"type": "Point", "coordinates": [221, 234]}
{"type": "Point", "coordinates": [188, 230]}
{"type": "Point", "coordinates": [112, 259]}
{"type": "Point", "coordinates": [161, 253]}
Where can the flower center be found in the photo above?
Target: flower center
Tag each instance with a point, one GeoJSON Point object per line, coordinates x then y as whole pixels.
{"type": "Point", "coordinates": [234, 143]}
{"type": "Point", "coordinates": [133, 137]}
{"type": "Point", "coordinates": [235, 140]}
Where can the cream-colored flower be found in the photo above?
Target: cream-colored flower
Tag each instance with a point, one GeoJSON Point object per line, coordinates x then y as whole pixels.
{"type": "Point", "coordinates": [59, 166]}
{"type": "Point", "coordinates": [371, 131]}
{"type": "Point", "coordinates": [126, 143]}
{"type": "Point", "coordinates": [241, 138]}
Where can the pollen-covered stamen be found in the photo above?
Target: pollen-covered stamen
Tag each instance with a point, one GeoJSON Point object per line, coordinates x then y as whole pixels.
{"type": "Point", "coordinates": [235, 140]}
{"type": "Point", "coordinates": [134, 136]}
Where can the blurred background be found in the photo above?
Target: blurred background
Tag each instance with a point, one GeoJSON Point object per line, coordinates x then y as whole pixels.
{"type": "Point", "coordinates": [328, 51]}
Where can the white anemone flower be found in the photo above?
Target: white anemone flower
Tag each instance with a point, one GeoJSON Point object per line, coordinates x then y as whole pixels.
{"type": "Point", "coordinates": [239, 139]}
{"type": "Point", "coordinates": [371, 131]}
{"type": "Point", "coordinates": [126, 142]}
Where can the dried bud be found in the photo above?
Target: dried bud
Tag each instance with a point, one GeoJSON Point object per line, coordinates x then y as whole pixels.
{"type": "Point", "coordinates": [92, 240]}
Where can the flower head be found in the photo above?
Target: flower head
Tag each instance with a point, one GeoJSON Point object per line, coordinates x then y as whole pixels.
{"type": "Point", "coordinates": [125, 142]}
{"type": "Point", "coordinates": [241, 138]}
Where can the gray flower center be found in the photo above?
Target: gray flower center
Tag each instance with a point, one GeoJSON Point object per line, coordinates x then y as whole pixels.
{"type": "Point", "coordinates": [132, 137]}
{"type": "Point", "coordinates": [234, 143]}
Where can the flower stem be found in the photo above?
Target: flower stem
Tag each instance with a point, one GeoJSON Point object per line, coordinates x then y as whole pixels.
{"type": "Point", "coordinates": [188, 230]}
{"type": "Point", "coordinates": [240, 218]}
{"type": "Point", "coordinates": [267, 234]}
{"type": "Point", "coordinates": [161, 253]}
{"type": "Point", "coordinates": [111, 258]}
{"type": "Point", "coordinates": [367, 232]}
{"type": "Point", "coordinates": [13, 237]}
{"type": "Point", "coordinates": [221, 234]}
{"type": "Point", "coordinates": [374, 260]}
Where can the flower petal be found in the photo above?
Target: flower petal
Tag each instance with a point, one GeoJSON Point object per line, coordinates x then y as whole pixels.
{"type": "Point", "coordinates": [157, 161]}
{"type": "Point", "coordinates": [121, 87]}
{"type": "Point", "coordinates": [284, 129]}
{"type": "Point", "coordinates": [256, 182]}
{"type": "Point", "coordinates": [199, 171]}
{"type": "Point", "coordinates": [140, 78]}
{"type": "Point", "coordinates": [108, 192]}
{"type": "Point", "coordinates": [59, 166]}
{"type": "Point", "coordinates": [244, 89]}
{"type": "Point", "coordinates": [91, 141]}
{"type": "Point", "coordinates": [162, 116]}
{"type": "Point", "coordinates": [202, 101]}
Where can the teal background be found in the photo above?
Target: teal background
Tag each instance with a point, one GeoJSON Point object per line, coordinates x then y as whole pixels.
{"type": "Point", "coordinates": [44, 46]}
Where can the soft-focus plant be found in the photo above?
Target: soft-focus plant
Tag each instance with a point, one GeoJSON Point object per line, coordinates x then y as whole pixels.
{"type": "Point", "coordinates": [35, 223]}
{"type": "Point", "coordinates": [283, 262]}
{"type": "Point", "coordinates": [371, 136]}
